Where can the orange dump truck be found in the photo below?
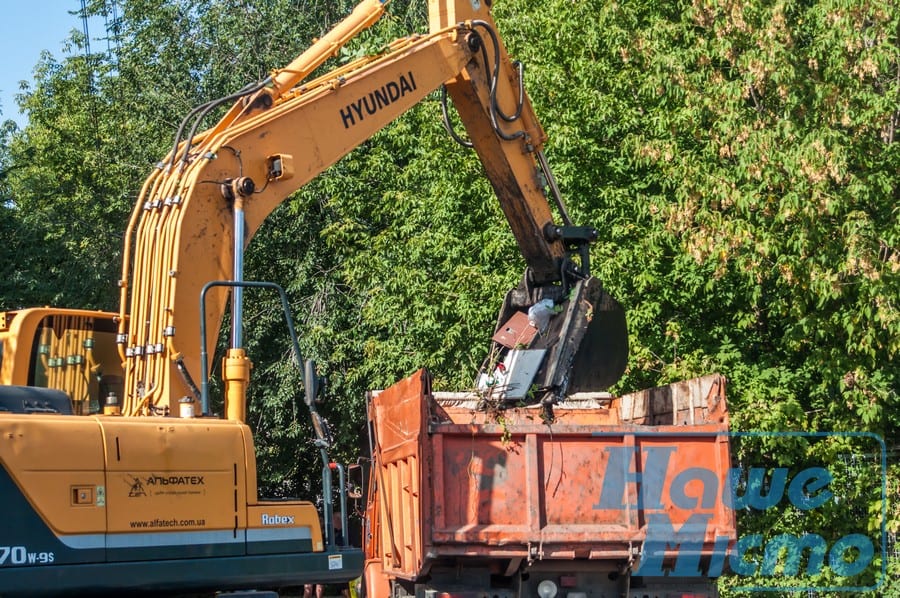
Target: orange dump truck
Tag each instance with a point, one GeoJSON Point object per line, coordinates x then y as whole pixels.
{"type": "Point", "coordinates": [605, 496]}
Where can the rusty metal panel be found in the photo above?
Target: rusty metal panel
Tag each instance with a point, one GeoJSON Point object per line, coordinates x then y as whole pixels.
{"type": "Point", "coordinates": [484, 485]}
{"type": "Point", "coordinates": [531, 488]}
{"type": "Point", "coordinates": [687, 455]}
{"type": "Point", "coordinates": [398, 417]}
{"type": "Point", "coordinates": [571, 474]}
{"type": "Point", "coordinates": [686, 403]}
{"type": "Point", "coordinates": [509, 485]}
{"type": "Point", "coordinates": [516, 333]}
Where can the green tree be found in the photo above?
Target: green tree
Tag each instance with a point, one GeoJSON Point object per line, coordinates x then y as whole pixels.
{"type": "Point", "coordinates": [740, 160]}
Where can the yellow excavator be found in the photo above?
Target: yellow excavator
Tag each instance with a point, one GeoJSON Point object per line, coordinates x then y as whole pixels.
{"type": "Point", "coordinates": [116, 475]}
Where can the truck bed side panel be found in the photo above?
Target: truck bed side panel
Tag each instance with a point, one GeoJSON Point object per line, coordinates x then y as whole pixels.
{"type": "Point", "coordinates": [460, 483]}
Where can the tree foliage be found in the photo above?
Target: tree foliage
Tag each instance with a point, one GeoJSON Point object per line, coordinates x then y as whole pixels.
{"type": "Point", "coordinates": [740, 160]}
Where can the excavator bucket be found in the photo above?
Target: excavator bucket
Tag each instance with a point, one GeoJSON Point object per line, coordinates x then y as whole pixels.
{"type": "Point", "coordinates": [580, 345]}
{"type": "Point", "coordinates": [586, 342]}
{"type": "Point", "coordinates": [602, 356]}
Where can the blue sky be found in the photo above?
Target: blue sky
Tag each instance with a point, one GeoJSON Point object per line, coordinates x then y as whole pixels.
{"type": "Point", "coordinates": [27, 28]}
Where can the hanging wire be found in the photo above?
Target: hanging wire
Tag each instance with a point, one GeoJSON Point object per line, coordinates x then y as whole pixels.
{"type": "Point", "coordinates": [89, 65]}
{"type": "Point", "coordinates": [113, 31]}
{"type": "Point", "coordinates": [87, 45]}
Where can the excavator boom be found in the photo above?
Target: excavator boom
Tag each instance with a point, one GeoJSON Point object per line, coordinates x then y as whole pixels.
{"type": "Point", "coordinates": [221, 184]}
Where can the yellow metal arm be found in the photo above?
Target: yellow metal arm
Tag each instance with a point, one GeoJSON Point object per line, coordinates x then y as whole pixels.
{"type": "Point", "coordinates": [276, 139]}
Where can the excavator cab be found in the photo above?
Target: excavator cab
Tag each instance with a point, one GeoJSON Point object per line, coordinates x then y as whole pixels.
{"type": "Point", "coordinates": [69, 351]}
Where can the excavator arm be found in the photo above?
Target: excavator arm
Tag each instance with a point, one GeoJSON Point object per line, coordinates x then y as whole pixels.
{"type": "Point", "coordinates": [198, 211]}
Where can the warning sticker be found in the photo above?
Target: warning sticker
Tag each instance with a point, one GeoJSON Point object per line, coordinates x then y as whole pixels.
{"type": "Point", "coordinates": [335, 561]}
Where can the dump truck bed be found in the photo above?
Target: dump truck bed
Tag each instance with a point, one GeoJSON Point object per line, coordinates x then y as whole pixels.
{"type": "Point", "coordinates": [456, 481]}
